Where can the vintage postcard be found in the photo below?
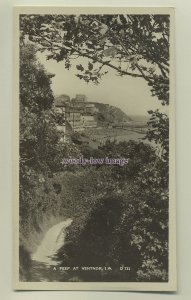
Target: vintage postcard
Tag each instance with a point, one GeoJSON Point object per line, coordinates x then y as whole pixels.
{"type": "Point", "coordinates": [94, 149]}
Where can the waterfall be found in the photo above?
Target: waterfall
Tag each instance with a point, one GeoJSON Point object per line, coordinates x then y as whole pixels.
{"type": "Point", "coordinates": [51, 243]}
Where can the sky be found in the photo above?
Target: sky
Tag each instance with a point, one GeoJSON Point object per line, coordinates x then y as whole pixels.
{"type": "Point", "coordinates": [130, 94]}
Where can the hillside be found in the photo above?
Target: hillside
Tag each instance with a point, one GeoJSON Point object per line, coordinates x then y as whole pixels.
{"type": "Point", "coordinates": [110, 114]}
{"type": "Point", "coordinates": [106, 113]}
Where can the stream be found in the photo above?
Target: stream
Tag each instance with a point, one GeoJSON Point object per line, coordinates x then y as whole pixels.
{"type": "Point", "coordinates": [43, 259]}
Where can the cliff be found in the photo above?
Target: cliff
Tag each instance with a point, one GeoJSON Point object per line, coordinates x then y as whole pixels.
{"type": "Point", "coordinates": [110, 114]}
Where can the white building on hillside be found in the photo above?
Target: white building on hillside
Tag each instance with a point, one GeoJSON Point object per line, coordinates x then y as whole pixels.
{"type": "Point", "coordinates": [89, 121]}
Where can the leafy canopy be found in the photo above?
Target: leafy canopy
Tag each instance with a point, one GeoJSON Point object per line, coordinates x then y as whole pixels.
{"type": "Point", "coordinates": [134, 45]}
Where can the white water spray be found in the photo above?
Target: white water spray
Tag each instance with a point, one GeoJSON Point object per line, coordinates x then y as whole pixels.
{"type": "Point", "coordinates": [51, 243]}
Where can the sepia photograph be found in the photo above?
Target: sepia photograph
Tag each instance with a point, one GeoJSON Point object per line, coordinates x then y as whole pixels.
{"type": "Point", "coordinates": [94, 166]}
